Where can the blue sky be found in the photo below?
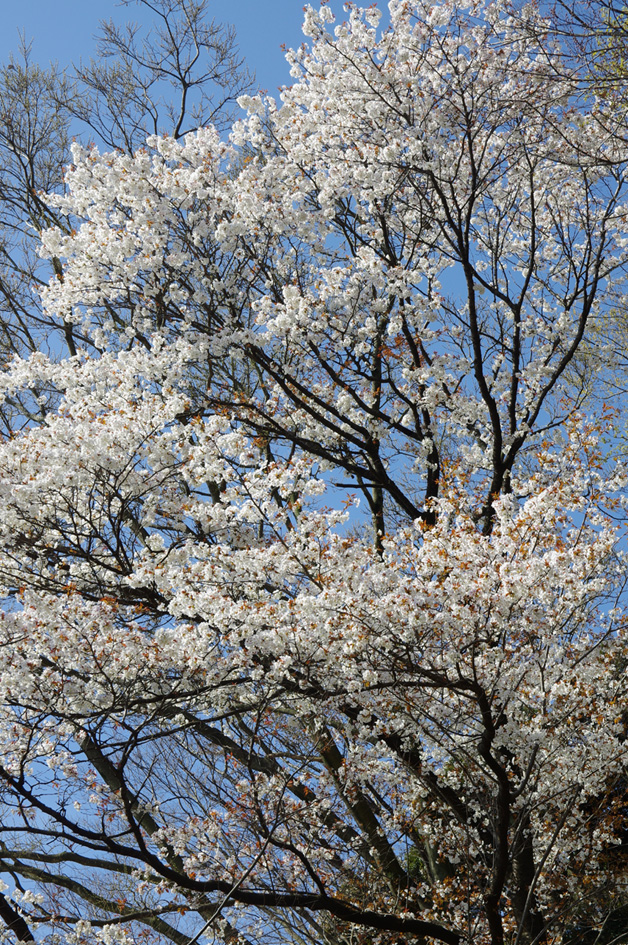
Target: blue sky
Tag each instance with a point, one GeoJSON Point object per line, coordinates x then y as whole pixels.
{"type": "Point", "coordinates": [62, 30]}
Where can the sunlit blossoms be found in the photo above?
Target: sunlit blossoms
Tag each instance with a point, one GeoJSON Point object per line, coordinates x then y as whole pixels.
{"type": "Point", "coordinates": [312, 554]}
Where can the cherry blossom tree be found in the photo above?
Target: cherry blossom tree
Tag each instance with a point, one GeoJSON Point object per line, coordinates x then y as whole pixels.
{"type": "Point", "coordinates": [314, 589]}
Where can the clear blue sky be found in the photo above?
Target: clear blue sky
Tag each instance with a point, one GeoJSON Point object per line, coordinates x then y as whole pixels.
{"type": "Point", "coordinates": [62, 30]}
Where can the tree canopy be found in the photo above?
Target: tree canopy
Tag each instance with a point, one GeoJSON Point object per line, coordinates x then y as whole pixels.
{"type": "Point", "coordinates": [311, 549]}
